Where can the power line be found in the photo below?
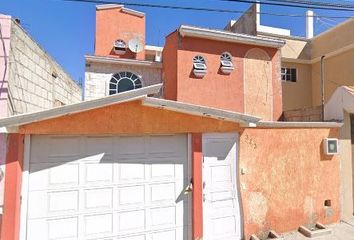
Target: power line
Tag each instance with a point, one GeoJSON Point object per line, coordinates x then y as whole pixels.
{"type": "Point", "coordinates": [313, 3]}
{"type": "Point", "coordinates": [197, 8]}
{"type": "Point", "coordinates": [282, 4]}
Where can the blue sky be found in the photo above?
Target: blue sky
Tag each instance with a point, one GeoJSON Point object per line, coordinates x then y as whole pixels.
{"type": "Point", "coordinates": [66, 29]}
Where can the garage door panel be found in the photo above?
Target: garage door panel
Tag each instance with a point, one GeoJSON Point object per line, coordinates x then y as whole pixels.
{"type": "Point", "coordinates": [59, 149]}
{"type": "Point", "coordinates": [52, 203]}
{"type": "Point", "coordinates": [100, 224]}
{"type": "Point", "coordinates": [163, 216]}
{"type": "Point", "coordinates": [131, 196]}
{"type": "Point", "coordinates": [130, 147]}
{"type": "Point", "coordinates": [48, 176]}
{"type": "Point", "coordinates": [64, 228]}
{"type": "Point", "coordinates": [98, 173]}
{"type": "Point", "coordinates": [131, 171]}
{"type": "Point", "coordinates": [98, 198]}
{"type": "Point", "coordinates": [115, 187]}
{"type": "Point", "coordinates": [132, 221]}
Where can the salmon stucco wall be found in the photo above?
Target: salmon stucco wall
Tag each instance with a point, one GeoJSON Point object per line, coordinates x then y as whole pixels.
{"type": "Point", "coordinates": [117, 23]}
{"type": "Point", "coordinates": [219, 90]}
{"type": "Point", "coordinates": [128, 118]}
{"type": "Point", "coordinates": [287, 179]}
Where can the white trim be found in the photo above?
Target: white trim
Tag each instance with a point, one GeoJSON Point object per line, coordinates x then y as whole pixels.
{"type": "Point", "coordinates": [133, 12]}
{"type": "Point", "coordinates": [153, 48]}
{"type": "Point", "coordinates": [123, 61]}
{"type": "Point", "coordinates": [124, 9]}
{"type": "Point", "coordinates": [295, 60]}
{"type": "Point", "coordinates": [127, 96]}
{"type": "Point", "coordinates": [108, 6]}
{"type": "Point", "coordinates": [24, 188]}
{"type": "Point", "coordinates": [190, 176]}
{"type": "Point", "coordinates": [8, 129]}
{"type": "Point", "coordinates": [199, 110]}
{"type": "Point", "coordinates": [270, 124]}
{"type": "Point", "coordinates": [225, 36]}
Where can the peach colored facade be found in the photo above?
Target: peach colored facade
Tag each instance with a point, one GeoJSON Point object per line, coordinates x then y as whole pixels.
{"type": "Point", "coordinates": [117, 23]}
{"type": "Point", "coordinates": [281, 183]}
{"type": "Point", "coordinates": [253, 87]}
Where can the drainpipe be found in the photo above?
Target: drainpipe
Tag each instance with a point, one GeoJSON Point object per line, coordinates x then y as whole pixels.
{"type": "Point", "coordinates": [322, 88]}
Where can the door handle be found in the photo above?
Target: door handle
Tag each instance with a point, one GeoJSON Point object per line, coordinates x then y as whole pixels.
{"type": "Point", "coordinates": [188, 189]}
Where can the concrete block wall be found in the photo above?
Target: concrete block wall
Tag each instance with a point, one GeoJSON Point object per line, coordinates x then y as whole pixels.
{"type": "Point", "coordinates": [5, 33]}
{"type": "Point", "coordinates": [32, 86]}
{"type": "Point", "coordinates": [98, 75]}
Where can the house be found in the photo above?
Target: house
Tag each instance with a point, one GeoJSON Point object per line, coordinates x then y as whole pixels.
{"type": "Point", "coordinates": [200, 155]}
{"type": "Point", "coordinates": [301, 80]}
{"type": "Point", "coordinates": [30, 80]}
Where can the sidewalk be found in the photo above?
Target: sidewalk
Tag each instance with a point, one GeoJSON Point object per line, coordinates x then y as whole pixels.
{"type": "Point", "coordinates": [341, 231]}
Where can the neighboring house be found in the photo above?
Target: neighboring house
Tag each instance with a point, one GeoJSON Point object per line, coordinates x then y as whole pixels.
{"type": "Point", "coordinates": [301, 79]}
{"type": "Point", "coordinates": [205, 159]}
{"type": "Point", "coordinates": [30, 80]}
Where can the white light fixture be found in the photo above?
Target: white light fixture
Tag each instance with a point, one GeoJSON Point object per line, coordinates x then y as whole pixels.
{"type": "Point", "coordinates": [226, 65]}
{"type": "Point", "coordinates": [330, 146]}
{"type": "Point", "coordinates": [199, 66]}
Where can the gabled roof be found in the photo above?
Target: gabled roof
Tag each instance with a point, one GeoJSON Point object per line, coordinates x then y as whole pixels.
{"type": "Point", "coordinates": [226, 36]}
{"type": "Point", "coordinates": [201, 110]}
{"type": "Point", "coordinates": [142, 94]}
{"type": "Point", "coordinates": [132, 95]}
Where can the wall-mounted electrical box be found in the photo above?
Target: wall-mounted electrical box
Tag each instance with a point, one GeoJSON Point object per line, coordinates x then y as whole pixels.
{"type": "Point", "coordinates": [330, 146]}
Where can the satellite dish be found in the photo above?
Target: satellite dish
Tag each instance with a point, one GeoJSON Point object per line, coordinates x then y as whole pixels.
{"type": "Point", "coordinates": [135, 45]}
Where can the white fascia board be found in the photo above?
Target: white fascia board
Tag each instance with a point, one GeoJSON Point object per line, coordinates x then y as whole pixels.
{"type": "Point", "coordinates": [108, 6]}
{"type": "Point", "coordinates": [220, 35]}
{"type": "Point", "coordinates": [128, 96]}
{"type": "Point", "coordinates": [153, 48]}
{"type": "Point", "coordinates": [269, 124]}
{"type": "Point", "coordinates": [133, 12]}
{"type": "Point", "coordinates": [273, 30]}
{"type": "Point", "coordinates": [123, 61]}
{"type": "Point", "coordinates": [199, 110]}
{"type": "Point", "coordinates": [9, 129]}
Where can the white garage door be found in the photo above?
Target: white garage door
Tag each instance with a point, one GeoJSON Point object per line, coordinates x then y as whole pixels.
{"type": "Point", "coordinates": [127, 188]}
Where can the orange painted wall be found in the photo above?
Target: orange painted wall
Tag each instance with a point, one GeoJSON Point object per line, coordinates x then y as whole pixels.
{"type": "Point", "coordinates": [287, 179]}
{"type": "Point", "coordinates": [128, 118]}
{"type": "Point", "coordinates": [215, 89]}
{"type": "Point", "coordinates": [10, 226]}
{"type": "Point", "coordinates": [170, 64]}
{"type": "Point", "coordinates": [113, 24]}
{"type": "Point", "coordinates": [197, 158]}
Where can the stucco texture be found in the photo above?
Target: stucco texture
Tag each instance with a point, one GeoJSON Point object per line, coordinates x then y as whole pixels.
{"type": "Point", "coordinates": [218, 90]}
{"type": "Point", "coordinates": [287, 179]}
{"type": "Point", "coordinates": [122, 25]}
{"type": "Point", "coordinates": [128, 118]}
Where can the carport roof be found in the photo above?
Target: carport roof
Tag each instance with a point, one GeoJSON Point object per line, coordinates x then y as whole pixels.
{"type": "Point", "coordinates": [10, 124]}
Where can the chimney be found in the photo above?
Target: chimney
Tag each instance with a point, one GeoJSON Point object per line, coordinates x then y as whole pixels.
{"type": "Point", "coordinates": [309, 24]}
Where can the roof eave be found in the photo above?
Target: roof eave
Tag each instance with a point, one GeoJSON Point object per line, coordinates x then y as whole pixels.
{"type": "Point", "coordinates": [224, 36]}
{"type": "Point", "coordinates": [128, 96]}
{"type": "Point", "coordinates": [245, 120]}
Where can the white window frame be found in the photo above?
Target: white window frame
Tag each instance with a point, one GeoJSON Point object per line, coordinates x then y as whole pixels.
{"type": "Point", "coordinates": [108, 81]}
{"type": "Point", "coordinates": [285, 74]}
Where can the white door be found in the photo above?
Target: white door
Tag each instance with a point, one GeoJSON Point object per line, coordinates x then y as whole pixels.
{"type": "Point", "coordinates": [90, 187]}
{"type": "Point", "coordinates": [221, 211]}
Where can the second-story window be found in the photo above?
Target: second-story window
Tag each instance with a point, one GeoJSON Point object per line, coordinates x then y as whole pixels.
{"type": "Point", "coordinates": [124, 81]}
{"type": "Point", "coordinates": [199, 66]}
{"type": "Point", "coordinates": [289, 74]}
{"type": "Point", "coordinates": [226, 63]}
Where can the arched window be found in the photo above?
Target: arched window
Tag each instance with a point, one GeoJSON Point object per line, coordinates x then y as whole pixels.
{"type": "Point", "coordinates": [226, 65]}
{"type": "Point", "coordinates": [124, 81]}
